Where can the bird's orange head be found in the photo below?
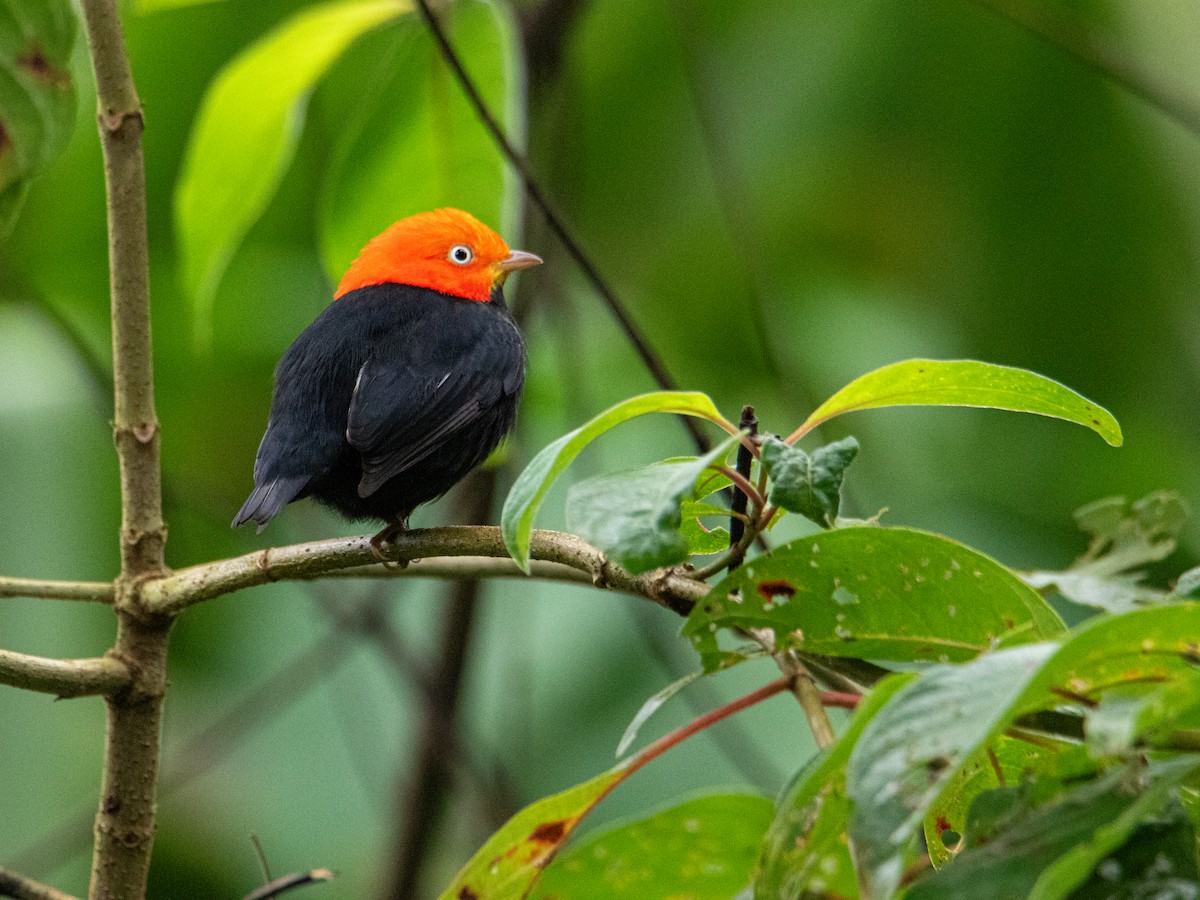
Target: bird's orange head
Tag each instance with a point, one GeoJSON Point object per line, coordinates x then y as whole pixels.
{"type": "Point", "coordinates": [446, 250]}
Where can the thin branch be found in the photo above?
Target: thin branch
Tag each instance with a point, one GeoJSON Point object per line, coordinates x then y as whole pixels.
{"type": "Point", "coordinates": [465, 567]}
{"type": "Point", "coordinates": [649, 356]}
{"type": "Point", "coordinates": [290, 883]}
{"type": "Point", "coordinates": [1102, 55]}
{"type": "Point", "coordinates": [22, 888]}
{"type": "Point", "coordinates": [64, 677]}
{"type": "Point", "coordinates": [809, 697]}
{"type": "Point", "coordinates": [175, 592]}
{"type": "Point", "coordinates": [87, 591]}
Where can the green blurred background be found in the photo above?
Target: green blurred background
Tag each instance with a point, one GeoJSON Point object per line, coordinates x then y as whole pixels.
{"type": "Point", "coordinates": [787, 193]}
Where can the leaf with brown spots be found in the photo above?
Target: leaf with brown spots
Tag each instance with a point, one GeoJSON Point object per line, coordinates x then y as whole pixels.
{"type": "Point", "coordinates": [511, 861]}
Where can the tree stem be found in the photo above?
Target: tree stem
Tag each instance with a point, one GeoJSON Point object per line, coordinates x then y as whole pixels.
{"type": "Point", "coordinates": [124, 833]}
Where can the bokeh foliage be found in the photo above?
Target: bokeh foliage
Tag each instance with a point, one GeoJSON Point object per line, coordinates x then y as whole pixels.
{"type": "Point", "coordinates": [788, 193]}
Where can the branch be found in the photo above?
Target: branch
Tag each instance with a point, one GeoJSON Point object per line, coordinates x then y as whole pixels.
{"type": "Point", "coordinates": [649, 356]}
{"type": "Point", "coordinates": [88, 591]}
{"type": "Point", "coordinates": [125, 820]}
{"type": "Point", "coordinates": [22, 888]}
{"type": "Point", "coordinates": [63, 677]}
{"type": "Point", "coordinates": [175, 592]}
{"type": "Point", "coordinates": [290, 883]}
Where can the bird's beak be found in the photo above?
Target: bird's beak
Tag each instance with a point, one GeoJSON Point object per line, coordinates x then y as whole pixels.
{"type": "Point", "coordinates": [518, 259]}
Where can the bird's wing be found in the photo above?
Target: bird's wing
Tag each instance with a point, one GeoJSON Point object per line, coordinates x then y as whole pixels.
{"type": "Point", "coordinates": [399, 417]}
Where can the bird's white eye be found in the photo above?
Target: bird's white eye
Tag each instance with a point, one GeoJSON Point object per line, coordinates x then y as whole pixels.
{"type": "Point", "coordinates": [460, 254]}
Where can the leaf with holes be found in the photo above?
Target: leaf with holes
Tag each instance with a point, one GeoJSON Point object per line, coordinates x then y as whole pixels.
{"type": "Point", "coordinates": [809, 484]}
{"type": "Point", "coordinates": [1048, 851]}
{"type": "Point", "coordinates": [874, 593]}
{"type": "Point", "coordinates": [246, 134]}
{"type": "Point", "coordinates": [635, 517]}
{"type": "Point", "coordinates": [703, 849]}
{"type": "Point", "coordinates": [920, 742]}
{"type": "Point", "coordinates": [527, 493]}
{"type": "Point", "coordinates": [965, 382]}
{"type": "Point", "coordinates": [37, 98]}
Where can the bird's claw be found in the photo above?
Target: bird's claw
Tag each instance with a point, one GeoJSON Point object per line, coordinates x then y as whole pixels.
{"type": "Point", "coordinates": [381, 545]}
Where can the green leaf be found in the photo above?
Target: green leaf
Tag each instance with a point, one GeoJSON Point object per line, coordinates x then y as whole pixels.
{"type": "Point", "coordinates": [874, 593]}
{"type": "Point", "coordinates": [246, 133]}
{"type": "Point", "coordinates": [1049, 851]}
{"type": "Point", "coordinates": [523, 501]}
{"type": "Point", "coordinates": [1188, 585]}
{"type": "Point", "coordinates": [37, 98]}
{"type": "Point", "coordinates": [635, 517]}
{"type": "Point", "coordinates": [703, 849]}
{"type": "Point", "coordinates": [805, 851]}
{"type": "Point", "coordinates": [809, 485]}
{"type": "Point", "coordinates": [932, 382]}
{"type": "Point", "coordinates": [421, 146]}
{"type": "Point", "coordinates": [145, 7]}
{"type": "Point", "coordinates": [512, 859]}
{"type": "Point", "coordinates": [1006, 757]}
{"type": "Point", "coordinates": [920, 741]}
{"type": "Point", "coordinates": [702, 540]}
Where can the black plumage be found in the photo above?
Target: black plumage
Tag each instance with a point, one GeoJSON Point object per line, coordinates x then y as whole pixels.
{"type": "Point", "coordinates": [386, 400]}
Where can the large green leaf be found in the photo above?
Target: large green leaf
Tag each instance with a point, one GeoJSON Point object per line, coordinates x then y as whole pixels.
{"type": "Point", "coordinates": [874, 593]}
{"type": "Point", "coordinates": [246, 133]}
{"type": "Point", "coordinates": [932, 382]}
{"type": "Point", "coordinates": [918, 745]}
{"type": "Point", "coordinates": [511, 860]}
{"type": "Point", "coordinates": [523, 501]}
{"type": "Point", "coordinates": [636, 517]}
{"type": "Point", "coordinates": [422, 146]}
{"type": "Point", "coordinates": [703, 849]}
{"type": "Point", "coordinates": [805, 852]}
{"type": "Point", "coordinates": [1047, 852]}
{"type": "Point", "coordinates": [37, 98]}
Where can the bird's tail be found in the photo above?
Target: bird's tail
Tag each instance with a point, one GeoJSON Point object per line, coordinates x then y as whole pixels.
{"type": "Point", "coordinates": [265, 502]}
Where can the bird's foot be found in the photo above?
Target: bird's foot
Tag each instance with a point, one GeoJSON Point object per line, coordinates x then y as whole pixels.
{"type": "Point", "coordinates": [381, 544]}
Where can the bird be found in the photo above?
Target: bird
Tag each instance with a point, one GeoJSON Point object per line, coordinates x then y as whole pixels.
{"type": "Point", "coordinates": [403, 384]}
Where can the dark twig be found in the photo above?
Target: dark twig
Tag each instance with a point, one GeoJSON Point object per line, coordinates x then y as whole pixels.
{"type": "Point", "coordinates": [1102, 55]}
{"type": "Point", "coordinates": [649, 356]}
{"type": "Point", "coordinates": [737, 526]}
{"type": "Point", "coordinates": [422, 800]}
{"type": "Point", "coordinates": [290, 883]}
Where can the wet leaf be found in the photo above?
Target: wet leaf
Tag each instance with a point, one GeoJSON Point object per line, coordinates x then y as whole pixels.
{"type": "Point", "coordinates": [808, 484]}
{"type": "Point", "coordinates": [874, 593]}
{"type": "Point", "coordinates": [37, 97]}
{"type": "Point", "coordinates": [703, 849]}
{"type": "Point", "coordinates": [932, 382]}
{"type": "Point", "coordinates": [526, 495]}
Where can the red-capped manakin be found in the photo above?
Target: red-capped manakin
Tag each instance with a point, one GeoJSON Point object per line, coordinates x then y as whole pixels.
{"type": "Point", "coordinates": [404, 384]}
